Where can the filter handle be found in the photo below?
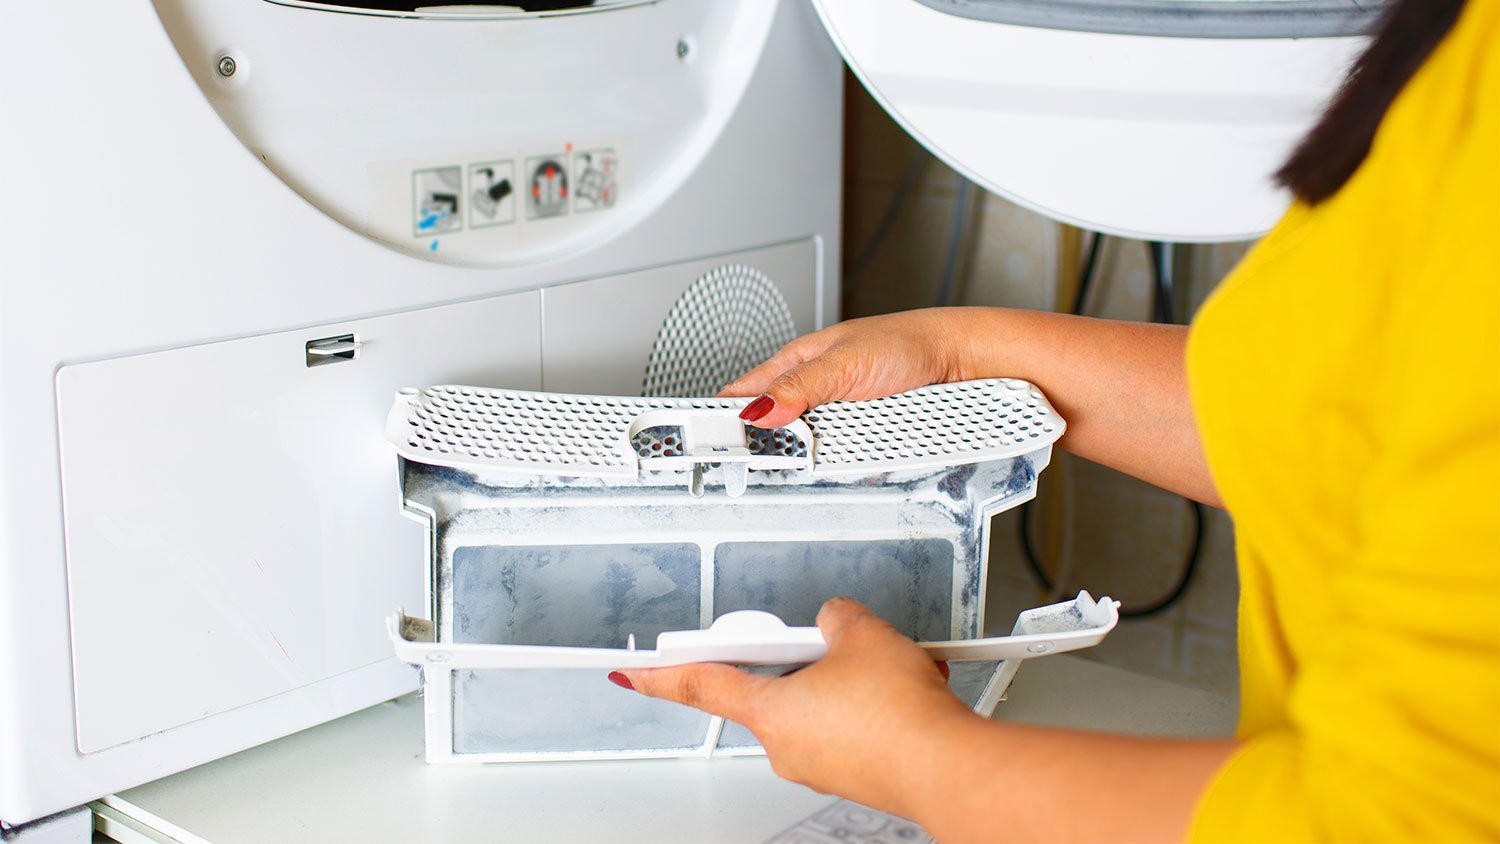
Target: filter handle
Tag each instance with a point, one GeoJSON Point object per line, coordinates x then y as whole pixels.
{"type": "Point", "coordinates": [751, 637]}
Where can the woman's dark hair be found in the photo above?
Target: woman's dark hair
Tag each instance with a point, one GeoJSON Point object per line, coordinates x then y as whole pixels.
{"type": "Point", "coordinates": [1407, 34]}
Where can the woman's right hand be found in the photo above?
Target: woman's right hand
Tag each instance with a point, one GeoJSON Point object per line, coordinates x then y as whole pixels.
{"type": "Point", "coordinates": [860, 359]}
{"type": "Point", "coordinates": [1122, 386]}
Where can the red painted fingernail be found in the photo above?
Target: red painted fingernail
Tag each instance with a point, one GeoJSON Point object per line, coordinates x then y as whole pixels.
{"type": "Point", "coordinates": [758, 408]}
{"type": "Point", "coordinates": [621, 680]}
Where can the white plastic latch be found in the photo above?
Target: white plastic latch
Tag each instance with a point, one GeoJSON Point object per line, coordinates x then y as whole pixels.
{"type": "Point", "coordinates": [718, 431]}
{"type": "Point", "coordinates": [716, 437]}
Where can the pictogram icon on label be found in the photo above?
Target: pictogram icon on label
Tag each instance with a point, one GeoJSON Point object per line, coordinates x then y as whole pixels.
{"type": "Point", "coordinates": [595, 171]}
{"type": "Point", "coordinates": [547, 186]}
{"type": "Point", "coordinates": [436, 201]}
{"type": "Point", "coordinates": [492, 194]}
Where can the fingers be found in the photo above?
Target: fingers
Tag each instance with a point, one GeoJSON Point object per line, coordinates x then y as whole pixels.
{"type": "Point", "coordinates": [799, 376]}
{"type": "Point", "coordinates": [824, 378]}
{"type": "Point", "coordinates": [755, 382]}
{"type": "Point", "coordinates": [799, 351]}
{"type": "Point", "coordinates": [714, 688]}
{"type": "Point", "coordinates": [859, 359]}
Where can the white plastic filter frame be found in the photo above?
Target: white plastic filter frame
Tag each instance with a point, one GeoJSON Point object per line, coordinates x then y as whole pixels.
{"type": "Point", "coordinates": [540, 470]}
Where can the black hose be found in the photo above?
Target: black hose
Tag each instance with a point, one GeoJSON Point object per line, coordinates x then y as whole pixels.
{"type": "Point", "coordinates": [1161, 306]}
{"type": "Point", "coordinates": [887, 219]}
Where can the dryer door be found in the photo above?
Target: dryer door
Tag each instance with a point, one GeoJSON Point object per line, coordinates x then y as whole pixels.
{"type": "Point", "coordinates": [1152, 119]}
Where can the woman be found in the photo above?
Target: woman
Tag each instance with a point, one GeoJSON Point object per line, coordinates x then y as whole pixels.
{"type": "Point", "coordinates": [1340, 394]}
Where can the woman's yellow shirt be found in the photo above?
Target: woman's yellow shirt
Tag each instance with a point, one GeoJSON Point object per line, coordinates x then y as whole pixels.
{"type": "Point", "coordinates": [1346, 380]}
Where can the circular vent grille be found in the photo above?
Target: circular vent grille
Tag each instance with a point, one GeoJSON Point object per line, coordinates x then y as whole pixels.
{"type": "Point", "coordinates": [727, 323]}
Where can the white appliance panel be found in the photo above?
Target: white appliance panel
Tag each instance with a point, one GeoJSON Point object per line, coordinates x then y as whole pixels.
{"type": "Point", "coordinates": [180, 236]}
{"type": "Point", "coordinates": [402, 99]}
{"type": "Point", "coordinates": [231, 508]}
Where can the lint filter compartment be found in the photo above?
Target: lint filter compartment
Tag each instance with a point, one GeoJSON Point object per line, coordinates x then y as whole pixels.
{"type": "Point", "coordinates": [593, 523]}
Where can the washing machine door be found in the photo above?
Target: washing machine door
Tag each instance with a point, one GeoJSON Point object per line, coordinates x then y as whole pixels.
{"type": "Point", "coordinates": [1153, 119]}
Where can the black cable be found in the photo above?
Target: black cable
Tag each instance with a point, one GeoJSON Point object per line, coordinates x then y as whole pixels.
{"type": "Point", "coordinates": [1162, 311]}
{"type": "Point", "coordinates": [1161, 272]}
{"type": "Point", "coordinates": [1086, 276]}
{"type": "Point", "coordinates": [1184, 579]}
{"type": "Point", "coordinates": [1189, 568]}
{"type": "Point", "coordinates": [887, 219]}
{"type": "Point", "coordinates": [955, 241]}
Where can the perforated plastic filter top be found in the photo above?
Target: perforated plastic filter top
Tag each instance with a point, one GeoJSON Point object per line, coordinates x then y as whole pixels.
{"type": "Point", "coordinates": [559, 434]}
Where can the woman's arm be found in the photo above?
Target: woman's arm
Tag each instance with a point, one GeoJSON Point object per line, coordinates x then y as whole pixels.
{"type": "Point", "coordinates": [874, 721]}
{"type": "Point", "coordinates": [1013, 782]}
{"type": "Point", "coordinates": [1121, 386]}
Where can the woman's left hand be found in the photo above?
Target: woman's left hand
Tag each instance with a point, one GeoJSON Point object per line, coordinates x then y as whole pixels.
{"type": "Point", "coordinates": [856, 723]}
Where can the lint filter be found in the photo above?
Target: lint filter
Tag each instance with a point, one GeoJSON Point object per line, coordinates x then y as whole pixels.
{"type": "Point", "coordinates": [568, 535]}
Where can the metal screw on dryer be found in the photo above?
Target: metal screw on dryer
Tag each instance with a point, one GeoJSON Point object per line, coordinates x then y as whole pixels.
{"type": "Point", "coordinates": [226, 66]}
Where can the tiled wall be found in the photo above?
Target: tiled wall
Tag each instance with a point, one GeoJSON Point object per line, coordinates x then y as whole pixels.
{"type": "Point", "coordinates": [1111, 533]}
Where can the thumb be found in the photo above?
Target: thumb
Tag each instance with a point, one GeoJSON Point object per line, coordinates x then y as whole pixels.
{"type": "Point", "coordinates": [843, 619]}
{"type": "Point", "coordinates": [849, 626]}
{"type": "Point", "coordinates": [822, 379]}
{"type": "Point", "coordinates": [712, 687]}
